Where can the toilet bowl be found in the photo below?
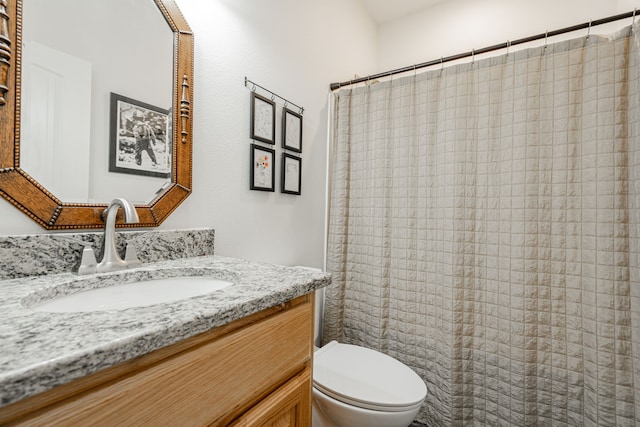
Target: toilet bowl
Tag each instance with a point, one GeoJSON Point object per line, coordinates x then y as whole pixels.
{"type": "Point", "coordinates": [358, 387]}
{"type": "Point", "coordinates": [355, 386]}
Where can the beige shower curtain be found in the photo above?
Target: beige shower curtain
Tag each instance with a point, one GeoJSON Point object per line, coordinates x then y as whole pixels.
{"type": "Point", "coordinates": [483, 229]}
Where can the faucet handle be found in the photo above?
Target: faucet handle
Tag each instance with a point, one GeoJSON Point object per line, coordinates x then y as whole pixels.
{"type": "Point", "coordinates": [131, 256]}
{"type": "Point", "coordinates": [88, 263]}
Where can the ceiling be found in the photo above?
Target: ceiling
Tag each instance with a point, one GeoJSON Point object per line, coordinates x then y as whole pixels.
{"type": "Point", "coordinates": [383, 11]}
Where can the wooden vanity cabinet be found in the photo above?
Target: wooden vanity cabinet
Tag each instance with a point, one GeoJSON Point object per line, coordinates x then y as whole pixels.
{"type": "Point", "coordinates": [255, 371]}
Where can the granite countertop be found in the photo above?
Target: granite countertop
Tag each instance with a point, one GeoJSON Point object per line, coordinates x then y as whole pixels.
{"type": "Point", "coordinates": [42, 350]}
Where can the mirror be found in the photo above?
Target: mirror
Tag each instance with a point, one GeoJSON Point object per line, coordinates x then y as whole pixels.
{"type": "Point", "coordinates": [67, 128]}
{"type": "Point", "coordinates": [127, 94]}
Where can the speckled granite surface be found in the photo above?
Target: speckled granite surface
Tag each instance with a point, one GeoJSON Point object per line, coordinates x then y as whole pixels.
{"type": "Point", "coordinates": [42, 254]}
{"type": "Point", "coordinates": [41, 350]}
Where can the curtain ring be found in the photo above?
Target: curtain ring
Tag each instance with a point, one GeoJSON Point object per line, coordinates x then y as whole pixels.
{"type": "Point", "coordinates": [301, 110]}
{"type": "Point", "coordinates": [546, 39]}
{"type": "Point", "coordinates": [253, 89]}
{"type": "Point", "coordinates": [473, 56]}
{"type": "Point", "coordinates": [441, 63]}
{"type": "Point", "coordinates": [414, 71]}
{"type": "Point", "coordinates": [634, 17]}
{"type": "Point", "coordinates": [286, 103]}
{"type": "Point", "coordinates": [508, 46]}
{"type": "Point", "coordinates": [589, 30]}
{"type": "Point", "coordinates": [273, 96]}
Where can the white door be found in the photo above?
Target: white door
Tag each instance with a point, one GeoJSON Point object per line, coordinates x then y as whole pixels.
{"type": "Point", "coordinates": [56, 121]}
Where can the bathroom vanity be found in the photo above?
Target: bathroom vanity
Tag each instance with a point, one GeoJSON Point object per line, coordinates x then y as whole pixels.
{"type": "Point", "coordinates": [253, 371]}
{"type": "Point", "coordinates": [238, 356]}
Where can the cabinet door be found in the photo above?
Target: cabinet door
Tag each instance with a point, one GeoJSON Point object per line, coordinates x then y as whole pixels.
{"type": "Point", "coordinates": [208, 384]}
{"type": "Point", "coordinates": [288, 406]}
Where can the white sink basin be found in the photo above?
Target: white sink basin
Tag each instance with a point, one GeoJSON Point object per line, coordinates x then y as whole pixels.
{"type": "Point", "coordinates": [136, 294]}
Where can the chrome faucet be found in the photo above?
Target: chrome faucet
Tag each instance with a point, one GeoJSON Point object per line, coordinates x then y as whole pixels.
{"type": "Point", "coordinates": [111, 260]}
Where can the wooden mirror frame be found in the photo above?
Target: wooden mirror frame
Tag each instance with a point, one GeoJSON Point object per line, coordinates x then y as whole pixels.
{"type": "Point", "coordinates": [24, 192]}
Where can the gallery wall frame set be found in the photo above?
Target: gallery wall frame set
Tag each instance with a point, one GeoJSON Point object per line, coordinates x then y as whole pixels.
{"type": "Point", "coordinates": [263, 130]}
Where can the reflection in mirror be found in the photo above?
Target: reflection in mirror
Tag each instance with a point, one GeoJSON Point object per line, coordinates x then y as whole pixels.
{"type": "Point", "coordinates": [121, 53]}
{"type": "Point", "coordinates": [70, 133]}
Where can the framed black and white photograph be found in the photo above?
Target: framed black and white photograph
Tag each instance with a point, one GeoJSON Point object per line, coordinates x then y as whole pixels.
{"type": "Point", "coordinates": [291, 130]}
{"type": "Point", "coordinates": [291, 174]}
{"type": "Point", "coordinates": [263, 163]}
{"type": "Point", "coordinates": [263, 119]}
{"type": "Point", "coordinates": [140, 140]}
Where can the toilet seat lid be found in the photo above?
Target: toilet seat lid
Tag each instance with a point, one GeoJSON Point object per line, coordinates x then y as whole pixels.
{"type": "Point", "coordinates": [366, 378]}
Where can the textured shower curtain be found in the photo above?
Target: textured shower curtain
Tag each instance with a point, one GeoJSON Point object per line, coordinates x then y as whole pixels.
{"type": "Point", "coordinates": [483, 229]}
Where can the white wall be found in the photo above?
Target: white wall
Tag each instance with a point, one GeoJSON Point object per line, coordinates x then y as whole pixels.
{"type": "Point", "coordinates": [458, 26]}
{"type": "Point", "coordinates": [295, 48]}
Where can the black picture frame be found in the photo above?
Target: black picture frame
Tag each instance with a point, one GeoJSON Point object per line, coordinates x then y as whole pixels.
{"type": "Point", "coordinates": [291, 130]}
{"type": "Point", "coordinates": [291, 174]}
{"type": "Point", "coordinates": [263, 166]}
{"type": "Point", "coordinates": [140, 141]}
{"type": "Point", "coordinates": [263, 119]}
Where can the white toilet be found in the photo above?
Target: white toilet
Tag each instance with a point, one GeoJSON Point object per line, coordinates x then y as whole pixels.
{"type": "Point", "coordinates": [358, 387]}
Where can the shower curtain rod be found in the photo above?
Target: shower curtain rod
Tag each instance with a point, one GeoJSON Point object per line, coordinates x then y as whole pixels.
{"type": "Point", "coordinates": [474, 52]}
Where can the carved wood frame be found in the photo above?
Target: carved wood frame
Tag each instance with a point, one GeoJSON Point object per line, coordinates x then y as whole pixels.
{"type": "Point", "coordinates": [24, 192]}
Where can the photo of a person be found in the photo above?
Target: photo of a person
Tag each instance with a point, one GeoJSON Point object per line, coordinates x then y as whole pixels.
{"type": "Point", "coordinates": [140, 138]}
{"type": "Point", "coordinates": [145, 139]}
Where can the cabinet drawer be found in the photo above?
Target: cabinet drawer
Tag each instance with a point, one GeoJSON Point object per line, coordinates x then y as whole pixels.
{"type": "Point", "coordinates": [289, 406]}
{"type": "Point", "coordinates": [209, 384]}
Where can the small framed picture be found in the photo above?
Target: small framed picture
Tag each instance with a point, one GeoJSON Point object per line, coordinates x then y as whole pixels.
{"type": "Point", "coordinates": [291, 174]}
{"type": "Point", "coordinates": [263, 165]}
{"type": "Point", "coordinates": [263, 119]}
{"type": "Point", "coordinates": [140, 140]}
{"type": "Point", "coordinates": [291, 130]}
